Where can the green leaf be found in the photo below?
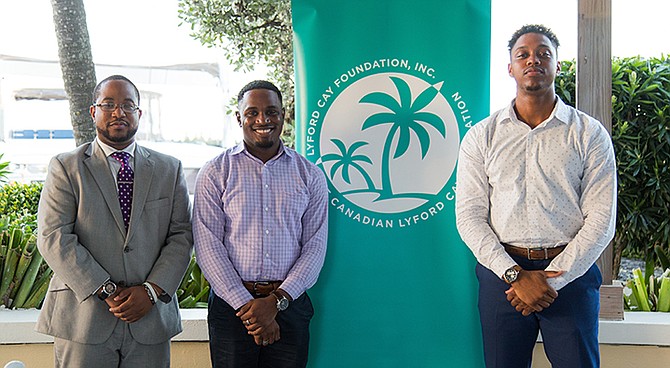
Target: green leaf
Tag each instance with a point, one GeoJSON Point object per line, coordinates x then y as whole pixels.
{"type": "Point", "coordinates": [404, 93]}
{"type": "Point", "coordinates": [378, 119]}
{"type": "Point", "coordinates": [664, 295]}
{"type": "Point", "coordinates": [382, 99]}
{"type": "Point", "coordinates": [640, 290]}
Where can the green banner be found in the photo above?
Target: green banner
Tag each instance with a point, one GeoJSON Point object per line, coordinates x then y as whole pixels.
{"type": "Point", "coordinates": [385, 90]}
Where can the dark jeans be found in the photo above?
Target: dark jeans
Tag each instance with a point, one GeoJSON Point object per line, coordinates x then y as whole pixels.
{"type": "Point", "coordinates": [230, 345]}
{"type": "Point", "coordinates": [569, 326]}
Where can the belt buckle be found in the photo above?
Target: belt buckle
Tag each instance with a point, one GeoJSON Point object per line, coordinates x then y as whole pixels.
{"type": "Point", "coordinates": [261, 283]}
{"type": "Point", "coordinates": [530, 250]}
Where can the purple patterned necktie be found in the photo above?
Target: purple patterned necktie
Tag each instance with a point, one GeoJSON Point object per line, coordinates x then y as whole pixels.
{"type": "Point", "coordinates": [124, 181]}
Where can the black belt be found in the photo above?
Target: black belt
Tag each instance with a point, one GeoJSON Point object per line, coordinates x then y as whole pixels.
{"type": "Point", "coordinates": [261, 288]}
{"type": "Point", "coordinates": [534, 254]}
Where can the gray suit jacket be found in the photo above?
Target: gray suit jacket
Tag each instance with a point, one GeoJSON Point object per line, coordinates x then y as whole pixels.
{"type": "Point", "coordinates": [82, 237]}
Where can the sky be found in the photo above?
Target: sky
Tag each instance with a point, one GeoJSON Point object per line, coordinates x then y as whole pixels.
{"type": "Point", "coordinates": [152, 26]}
{"type": "Point", "coordinates": [26, 29]}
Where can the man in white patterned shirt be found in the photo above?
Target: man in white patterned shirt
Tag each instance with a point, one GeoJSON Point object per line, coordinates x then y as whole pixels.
{"type": "Point", "coordinates": [536, 204]}
{"type": "Point", "coordinates": [260, 227]}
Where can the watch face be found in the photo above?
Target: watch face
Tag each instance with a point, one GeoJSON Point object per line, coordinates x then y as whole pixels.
{"type": "Point", "coordinates": [109, 288]}
{"type": "Point", "coordinates": [282, 303]}
{"type": "Point", "coordinates": [511, 275]}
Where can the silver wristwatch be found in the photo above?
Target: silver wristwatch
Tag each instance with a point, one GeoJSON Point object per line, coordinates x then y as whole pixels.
{"type": "Point", "coordinates": [108, 289]}
{"type": "Point", "coordinates": [282, 301]}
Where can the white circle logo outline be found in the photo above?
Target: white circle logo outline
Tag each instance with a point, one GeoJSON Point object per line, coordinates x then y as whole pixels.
{"type": "Point", "coordinates": [354, 153]}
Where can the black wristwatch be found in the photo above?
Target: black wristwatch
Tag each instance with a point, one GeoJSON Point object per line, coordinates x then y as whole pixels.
{"type": "Point", "coordinates": [511, 274]}
{"type": "Point", "coordinates": [108, 289]}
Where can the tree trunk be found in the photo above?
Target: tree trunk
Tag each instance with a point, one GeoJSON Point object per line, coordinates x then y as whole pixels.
{"type": "Point", "coordinates": [76, 62]}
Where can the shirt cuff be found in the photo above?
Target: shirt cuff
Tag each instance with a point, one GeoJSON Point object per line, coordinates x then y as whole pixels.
{"type": "Point", "coordinates": [557, 282]}
{"type": "Point", "coordinates": [500, 267]}
{"type": "Point", "coordinates": [238, 298]}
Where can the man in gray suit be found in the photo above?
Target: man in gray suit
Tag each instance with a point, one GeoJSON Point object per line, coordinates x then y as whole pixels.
{"type": "Point", "coordinates": [114, 225]}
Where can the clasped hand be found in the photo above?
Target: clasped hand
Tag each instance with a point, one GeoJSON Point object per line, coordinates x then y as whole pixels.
{"type": "Point", "coordinates": [258, 316]}
{"type": "Point", "coordinates": [130, 304]}
{"type": "Point", "coordinates": [531, 292]}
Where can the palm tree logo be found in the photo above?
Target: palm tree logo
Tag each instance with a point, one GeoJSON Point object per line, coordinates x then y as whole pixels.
{"type": "Point", "coordinates": [405, 117]}
{"type": "Point", "coordinates": [346, 160]}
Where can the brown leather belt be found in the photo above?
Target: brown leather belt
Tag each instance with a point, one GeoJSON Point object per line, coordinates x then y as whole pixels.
{"type": "Point", "coordinates": [261, 288]}
{"type": "Point", "coordinates": [534, 254]}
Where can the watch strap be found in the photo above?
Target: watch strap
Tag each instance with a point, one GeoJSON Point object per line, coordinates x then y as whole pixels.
{"type": "Point", "coordinates": [103, 294]}
{"type": "Point", "coordinates": [165, 297]}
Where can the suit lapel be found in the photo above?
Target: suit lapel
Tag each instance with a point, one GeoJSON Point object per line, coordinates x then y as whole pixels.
{"type": "Point", "coordinates": [96, 162]}
{"type": "Point", "coordinates": [144, 173]}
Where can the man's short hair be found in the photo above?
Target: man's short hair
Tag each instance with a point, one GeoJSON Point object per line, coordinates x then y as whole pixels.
{"type": "Point", "coordinates": [258, 84]}
{"type": "Point", "coordinates": [96, 90]}
{"type": "Point", "coordinates": [533, 28]}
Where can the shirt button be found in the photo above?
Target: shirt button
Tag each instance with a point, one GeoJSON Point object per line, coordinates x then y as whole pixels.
{"type": "Point", "coordinates": [266, 209]}
{"type": "Point", "coordinates": [266, 185]}
{"type": "Point", "coordinates": [267, 231]}
{"type": "Point", "coordinates": [267, 255]}
{"type": "Point", "coordinates": [126, 249]}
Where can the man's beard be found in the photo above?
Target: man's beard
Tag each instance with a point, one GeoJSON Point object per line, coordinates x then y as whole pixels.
{"type": "Point", "coordinates": [118, 139]}
{"type": "Point", "coordinates": [264, 144]}
{"type": "Point", "coordinates": [533, 87]}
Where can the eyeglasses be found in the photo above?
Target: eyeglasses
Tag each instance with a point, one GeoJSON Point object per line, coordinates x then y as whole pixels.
{"type": "Point", "coordinates": [109, 107]}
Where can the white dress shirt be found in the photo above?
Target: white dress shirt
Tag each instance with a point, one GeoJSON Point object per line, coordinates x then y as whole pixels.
{"type": "Point", "coordinates": [115, 165]}
{"type": "Point", "coordinates": [543, 187]}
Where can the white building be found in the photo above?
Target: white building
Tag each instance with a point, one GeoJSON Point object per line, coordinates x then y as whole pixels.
{"type": "Point", "coordinates": [180, 103]}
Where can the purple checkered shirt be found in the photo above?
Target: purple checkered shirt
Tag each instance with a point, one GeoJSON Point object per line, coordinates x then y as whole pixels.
{"type": "Point", "coordinates": [255, 221]}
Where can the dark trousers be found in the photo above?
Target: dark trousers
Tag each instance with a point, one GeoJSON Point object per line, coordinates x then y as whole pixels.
{"type": "Point", "coordinates": [569, 326]}
{"type": "Point", "coordinates": [230, 346]}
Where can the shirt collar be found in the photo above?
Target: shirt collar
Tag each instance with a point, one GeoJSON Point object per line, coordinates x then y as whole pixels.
{"type": "Point", "coordinates": [108, 150]}
{"type": "Point", "coordinates": [241, 147]}
{"type": "Point", "coordinates": [560, 113]}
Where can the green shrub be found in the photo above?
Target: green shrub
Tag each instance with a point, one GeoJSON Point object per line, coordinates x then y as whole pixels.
{"type": "Point", "coordinates": [24, 276]}
{"type": "Point", "coordinates": [18, 200]}
{"type": "Point", "coordinates": [651, 295]}
{"type": "Point", "coordinates": [193, 291]}
{"type": "Point", "coordinates": [641, 136]}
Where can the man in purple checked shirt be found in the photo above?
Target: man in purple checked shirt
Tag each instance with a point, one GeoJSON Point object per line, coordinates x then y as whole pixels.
{"type": "Point", "coordinates": [260, 223]}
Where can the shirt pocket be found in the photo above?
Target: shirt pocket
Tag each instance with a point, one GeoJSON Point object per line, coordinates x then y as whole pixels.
{"type": "Point", "coordinates": [293, 201]}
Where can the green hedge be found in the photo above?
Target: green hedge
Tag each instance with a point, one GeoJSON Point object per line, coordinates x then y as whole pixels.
{"type": "Point", "coordinates": [19, 202]}
{"type": "Point", "coordinates": [641, 136]}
